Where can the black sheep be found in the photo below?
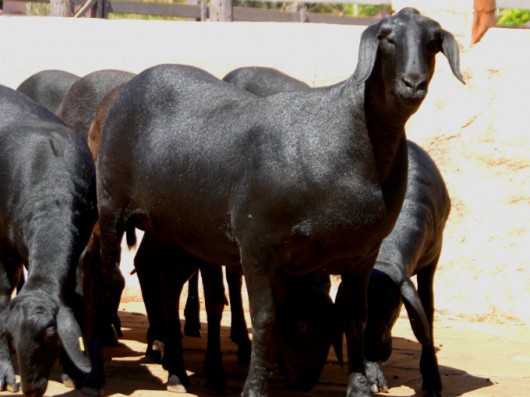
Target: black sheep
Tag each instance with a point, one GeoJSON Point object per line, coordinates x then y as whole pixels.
{"type": "Point", "coordinates": [48, 87]}
{"type": "Point", "coordinates": [412, 248]}
{"type": "Point", "coordinates": [47, 211]}
{"type": "Point", "coordinates": [295, 182]}
{"type": "Point", "coordinates": [79, 105]}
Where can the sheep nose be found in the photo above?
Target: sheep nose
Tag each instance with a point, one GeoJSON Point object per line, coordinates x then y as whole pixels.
{"type": "Point", "coordinates": [415, 82]}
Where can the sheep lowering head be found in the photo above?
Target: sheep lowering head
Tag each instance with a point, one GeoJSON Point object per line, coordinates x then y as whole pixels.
{"type": "Point", "coordinates": [298, 182]}
{"type": "Point", "coordinates": [47, 210]}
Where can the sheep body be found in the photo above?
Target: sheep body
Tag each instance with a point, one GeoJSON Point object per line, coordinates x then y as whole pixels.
{"type": "Point", "coordinates": [48, 87]}
{"type": "Point", "coordinates": [413, 247]}
{"type": "Point", "coordinates": [78, 107]}
{"type": "Point", "coordinates": [298, 181]}
{"type": "Point", "coordinates": [263, 81]}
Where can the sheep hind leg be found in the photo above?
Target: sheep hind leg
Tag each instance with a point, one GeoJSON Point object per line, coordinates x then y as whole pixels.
{"type": "Point", "coordinates": [215, 300]}
{"type": "Point", "coordinates": [432, 382]}
{"type": "Point", "coordinates": [238, 327]}
{"type": "Point", "coordinates": [149, 276]}
{"type": "Point", "coordinates": [192, 326]}
{"type": "Point", "coordinates": [168, 270]}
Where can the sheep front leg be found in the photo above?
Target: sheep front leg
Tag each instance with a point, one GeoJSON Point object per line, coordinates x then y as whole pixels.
{"type": "Point", "coordinates": [354, 316]}
{"type": "Point", "coordinates": [261, 303]}
{"type": "Point", "coordinates": [7, 373]}
{"type": "Point", "coordinates": [10, 274]}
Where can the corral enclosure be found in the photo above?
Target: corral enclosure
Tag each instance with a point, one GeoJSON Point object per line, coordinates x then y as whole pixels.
{"type": "Point", "coordinates": [478, 133]}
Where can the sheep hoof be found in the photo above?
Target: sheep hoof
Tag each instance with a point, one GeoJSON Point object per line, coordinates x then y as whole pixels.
{"type": "Point", "coordinates": [192, 331]}
{"type": "Point", "coordinates": [13, 387]}
{"type": "Point", "coordinates": [358, 386]}
{"type": "Point", "coordinates": [175, 385]}
{"type": "Point", "coordinates": [67, 381]}
{"type": "Point", "coordinates": [379, 389]}
{"type": "Point", "coordinates": [432, 393]}
{"type": "Point", "coordinates": [91, 391]}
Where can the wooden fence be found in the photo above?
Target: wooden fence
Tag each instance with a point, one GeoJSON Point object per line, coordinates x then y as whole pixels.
{"type": "Point", "coordinates": [218, 10]}
{"type": "Point", "coordinates": [223, 10]}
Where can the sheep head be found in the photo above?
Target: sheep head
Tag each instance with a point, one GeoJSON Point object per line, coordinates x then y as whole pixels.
{"type": "Point", "coordinates": [398, 53]}
{"type": "Point", "coordinates": [37, 327]}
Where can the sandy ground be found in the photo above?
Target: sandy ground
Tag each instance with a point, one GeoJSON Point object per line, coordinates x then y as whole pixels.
{"type": "Point", "coordinates": [477, 133]}
{"type": "Point", "coordinates": [476, 359]}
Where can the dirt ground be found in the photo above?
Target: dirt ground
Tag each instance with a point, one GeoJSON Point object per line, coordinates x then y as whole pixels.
{"type": "Point", "coordinates": [476, 359]}
{"type": "Point", "coordinates": [479, 136]}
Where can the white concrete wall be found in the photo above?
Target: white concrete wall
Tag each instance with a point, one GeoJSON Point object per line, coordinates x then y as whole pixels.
{"type": "Point", "coordinates": [454, 15]}
{"type": "Point", "coordinates": [318, 54]}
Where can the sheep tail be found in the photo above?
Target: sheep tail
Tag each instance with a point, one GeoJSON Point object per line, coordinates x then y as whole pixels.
{"type": "Point", "coordinates": [130, 237]}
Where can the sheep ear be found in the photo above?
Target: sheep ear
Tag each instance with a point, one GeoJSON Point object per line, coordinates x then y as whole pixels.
{"type": "Point", "coordinates": [417, 317]}
{"type": "Point", "coordinates": [367, 53]}
{"type": "Point", "coordinates": [452, 53]}
{"type": "Point", "coordinates": [72, 338]}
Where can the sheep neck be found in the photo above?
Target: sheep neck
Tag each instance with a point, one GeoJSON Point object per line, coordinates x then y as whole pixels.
{"type": "Point", "coordinates": [44, 283]}
{"type": "Point", "coordinates": [385, 121]}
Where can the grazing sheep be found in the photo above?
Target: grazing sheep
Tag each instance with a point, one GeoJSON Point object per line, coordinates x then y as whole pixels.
{"type": "Point", "coordinates": [296, 182]}
{"type": "Point", "coordinates": [48, 87]}
{"type": "Point", "coordinates": [93, 87]}
{"type": "Point", "coordinates": [304, 329]}
{"type": "Point", "coordinates": [47, 211]}
{"type": "Point", "coordinates": [90, 257]}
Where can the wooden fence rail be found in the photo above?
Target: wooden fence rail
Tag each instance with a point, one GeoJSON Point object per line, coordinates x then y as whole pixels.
{"type": "Point", "coordinates": [218, 10]}
{"type": "Point", "coordinates": [223, 10]}
{"type": "Point", "coordinates": [202, 12]}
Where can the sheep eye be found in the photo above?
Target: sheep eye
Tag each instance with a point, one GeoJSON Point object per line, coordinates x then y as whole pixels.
{"type": "Point", "coordinates": [435, 45]}
{"type": "Point", "coordinates": [388, 41]}
{"type": "Point", "coordinates": [50, 333]}
{"type": "Point", "coordinates": [383, 35]}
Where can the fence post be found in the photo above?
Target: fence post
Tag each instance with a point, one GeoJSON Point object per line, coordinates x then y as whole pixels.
{"type": "Point", "coordinates": [97, 11]}
{"type": "Point", "coordinates": [204, 10]}
{"type": "Point", "coordinates": [303, 14]}
{"type": "Point", "coordinates": [221, 10]}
